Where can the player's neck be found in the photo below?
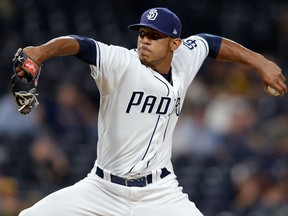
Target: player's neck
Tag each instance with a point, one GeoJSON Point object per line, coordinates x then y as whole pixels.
{"type": "Point", "coordinates": [168, 76]}
{"type": "Point", "coordinates": [166, 73]}
{"type": "Point", "coordinates": [163, 68]}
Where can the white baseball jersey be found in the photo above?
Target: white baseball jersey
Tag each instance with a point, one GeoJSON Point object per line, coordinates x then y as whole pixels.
{"type": "Point", "coordinates": [139, 108]}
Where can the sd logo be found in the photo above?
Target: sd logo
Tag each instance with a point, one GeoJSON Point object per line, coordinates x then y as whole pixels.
{"type": "Point", "coordinates": [152, 14]}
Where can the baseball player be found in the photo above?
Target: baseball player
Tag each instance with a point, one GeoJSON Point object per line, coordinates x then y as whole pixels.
{"type": "Point", "coordinates": [142, 91]}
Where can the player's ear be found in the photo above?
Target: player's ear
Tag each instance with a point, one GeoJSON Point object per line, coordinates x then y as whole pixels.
{"type": "Point", "coordinates": [175, 43]}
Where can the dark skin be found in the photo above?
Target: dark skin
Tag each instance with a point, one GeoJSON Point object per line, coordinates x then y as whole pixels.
{"type": "Point", "coordinates": [269, 73]}
{"type": "Point", "coordinates": [156, 50]}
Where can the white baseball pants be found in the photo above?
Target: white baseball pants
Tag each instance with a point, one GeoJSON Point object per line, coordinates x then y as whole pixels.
{"type": "Point", "coordinates": [94, 196]}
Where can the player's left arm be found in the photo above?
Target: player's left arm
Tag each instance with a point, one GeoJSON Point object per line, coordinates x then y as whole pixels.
{"type": "Point", "coordinates": [223, 49]}
{"type": "Point", "coordinates": [269, 73]}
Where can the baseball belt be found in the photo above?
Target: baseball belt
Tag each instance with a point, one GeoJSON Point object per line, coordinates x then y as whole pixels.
{"type": "Point", "coordinates": [135, 182]}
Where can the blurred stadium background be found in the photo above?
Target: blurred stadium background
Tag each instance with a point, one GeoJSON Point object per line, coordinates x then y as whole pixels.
{"type": "Point", "coordinates": [231, 143]}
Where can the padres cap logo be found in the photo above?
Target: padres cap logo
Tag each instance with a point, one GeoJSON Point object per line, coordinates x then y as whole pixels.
{"type": "Point", "coordinates": [160, 19]}
{"type": "Point", "coordinates": [152, 15]}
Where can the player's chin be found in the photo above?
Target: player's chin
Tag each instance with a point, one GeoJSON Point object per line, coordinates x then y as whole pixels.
{"type": "Point", "coordinates": [144, 60]}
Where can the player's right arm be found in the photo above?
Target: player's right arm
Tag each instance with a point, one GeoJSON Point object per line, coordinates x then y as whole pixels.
{"type": "Point", "coordinates": [71, 45]}
{"type": "Point", "coordinates": [61, 46]}
{"type": "Point", "coordinates": [108, 63]}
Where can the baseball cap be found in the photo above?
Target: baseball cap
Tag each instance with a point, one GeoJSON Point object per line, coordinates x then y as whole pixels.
{"type": "Point", "coordinates": [160, 19]}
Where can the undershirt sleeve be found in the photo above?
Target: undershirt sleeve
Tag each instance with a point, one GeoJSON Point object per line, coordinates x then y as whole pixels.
{"type": "Point", "coordinates": [87, 51]}
{"type": "Point", "coordinates": [214, 43]}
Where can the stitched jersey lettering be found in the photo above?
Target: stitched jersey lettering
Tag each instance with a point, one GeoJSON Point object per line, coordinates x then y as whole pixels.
{"type": "Point", "coordinates": [148, 103]}
{"type": "Point", "coordinates": [190, 44]}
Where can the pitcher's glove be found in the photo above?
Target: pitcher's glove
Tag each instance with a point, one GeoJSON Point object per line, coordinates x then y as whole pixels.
{"type": "Point", "coordinates": [24, 88]}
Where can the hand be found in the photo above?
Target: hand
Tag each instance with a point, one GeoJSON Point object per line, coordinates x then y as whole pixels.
{"type": "Point", "coordinates": [33, 53]}
{"type": "Point", "coordinates": [271, 75]}
{"type": "Point", "coordinates": [24, 85]}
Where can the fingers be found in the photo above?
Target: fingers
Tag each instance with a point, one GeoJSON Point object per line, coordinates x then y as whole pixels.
{"type": "Point", "coordinates": [277, 82]}
{"type": "Point", "coordinates": [283, 87]}
{"type": "Point", "coordinates": [20, 72]}
{"type": "Point", "coordinates": [279, 86]}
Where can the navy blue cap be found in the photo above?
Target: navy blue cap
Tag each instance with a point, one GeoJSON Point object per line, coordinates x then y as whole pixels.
{"type": "Point", "coordinates": [162, 20]}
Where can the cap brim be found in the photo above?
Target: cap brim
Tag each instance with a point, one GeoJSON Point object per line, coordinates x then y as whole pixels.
{"type": "Point", "coordinates": [136, 27]}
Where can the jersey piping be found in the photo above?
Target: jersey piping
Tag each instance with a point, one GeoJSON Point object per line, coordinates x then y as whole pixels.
{"type": "Point", "coordinates": [154, 130]}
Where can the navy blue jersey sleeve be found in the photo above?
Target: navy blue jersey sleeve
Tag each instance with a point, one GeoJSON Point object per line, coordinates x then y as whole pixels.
{"type": "Point", "coordinates": [87, 51]}
{"type": "Point", "coordinates": [214, 43]}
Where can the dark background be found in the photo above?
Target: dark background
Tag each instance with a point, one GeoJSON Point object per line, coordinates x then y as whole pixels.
{"type": "Point", "coordinates": [242, 172]}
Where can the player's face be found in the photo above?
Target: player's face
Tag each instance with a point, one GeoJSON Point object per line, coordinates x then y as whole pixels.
{"type": "Point", "coordinates": [155, 49]}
